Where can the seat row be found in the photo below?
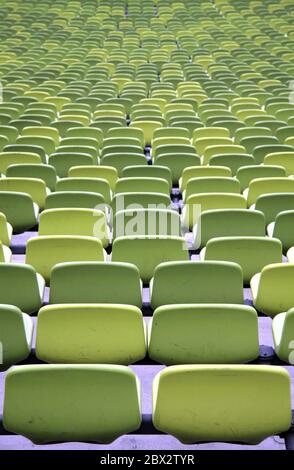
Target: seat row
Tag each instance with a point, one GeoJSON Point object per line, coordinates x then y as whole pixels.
{"type": "Point", "coordinates": [99, 403]}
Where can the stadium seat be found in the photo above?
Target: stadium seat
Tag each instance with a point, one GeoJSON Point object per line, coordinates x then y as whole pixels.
{"type": "Point", "coordinates": [282, 229]}
{"type": "Point", "coordinates": [44, 252]}
{"type": "Point", "coordinates": [190, 334]}
{"type": "Point", "coordinates": [282, 328]}
{"type": "Point", "coordinates": [222, 419]}
{"type": "Point", "coordinates": [228, 223]}
{"type": "Point", "coordinates": [201, 282]}
{"type": "Point", "coordinates": [271, 288]}
{"type": "Point", "coordinates": [21, 286]}
{"type": "Point", "coordinates": [251, 253]}
{"type": "Point", "coordinates": [16, 335]}
{"type": "Point", "coordinates": [95, 282]}
{"type": "Point", "coordinates": [70, 334]}
{"type": "Point", "coordinates": [146, 253]}
{"type": "Point", "coordinates": [105, 399]}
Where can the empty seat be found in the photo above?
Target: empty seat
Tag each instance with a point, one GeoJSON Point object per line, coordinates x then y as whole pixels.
{"type": "Point", "coordinates": [272, 204]}
{"type": "Point", "coordinates": [199, 282]}
{"type": "Point", "coordinates": [84, 184]}
{"type": "Point", "coordinates": [283, 229]}
{"type": "Point", "coordinates": [107, 173]}
{"type": "Point", "coordinates": [146, 253]}
{"type": "Point", "coordinates": [149, 171]}
{"type": "Point", "coordinates": [283, 159]}
{"type": "Point", "coordinates": [251, 253]}
{"type": "Point", "coordinates": [140, 184]}
{"type": "Point", "coordinates": [90, 333]}
{"type": "Point", "coordinates": [46, 173]}
{"type": "Point", "coordinates": [95, 282]}
{"type": "Point", "coordinates": [82, 222]}
{"type": "Point", "coordinates": [260, 186]}
{"type": "Point", "coordinates": [283, 328]}
{"type": "Point", "coordinates": [34, 187]}
{"type": "Point", "coordinates": [228, 223]}
{"type": "Point", "coordinates": [249, 173]}
{"type": "Point", "coordinates": [203, 334]}
{"type": "Point", "coordinates": [182, 393]}
{"type": "Point", "coordinates": [202, 171]}
{"type": "Point", "coordinates": [149, 222]}
{"type": "Point", "coordinates": [5, 230]}
{"type": "Point", "coordinates": [20, 157]}
{"type": "Point", "coordinates": [21, 286]}
{"type": "Point", "coordinates": [272, 288]}
{"type": "Point", "coordinates": [198, 203]}
{"type": "Point", "coordinates": [77, 199]}
{"type": "Point", "coordinates": [96, 403]}
{"type": "Point", "coordinates": [16, 335]}
{"type": "Point", "coordinates": [211, 184]}
{"type": "Point", "coordinates": [44, 252]}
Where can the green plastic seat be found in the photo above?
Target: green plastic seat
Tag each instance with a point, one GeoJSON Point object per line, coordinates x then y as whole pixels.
{"type": "Point", "coordinates": [146, 253]}
{"type": "Point", "coordinates": [151, 222]}
{"type": "Point", "coordinates": [105, 399]}
{"type": "Point", "coordinates": [149, 171]}
{"type": "Point", "coordinates": [144, 200]}
{"type": "Point", "coordinates": [198, 203]}
{"type": "Point", "coordinates": [182, 392]}
{"type": "Point", "coordinates": [16, 335]}
{"type": "Point", "coordinates": [248, 173]}
{"type": "Point", "coordinates": [13, 158]}
{"type": "Point", "coordinates": [190, 334]}
{"type": "Point", "coordinates": [63, 162]}
{"type": "Point", "coordinates": [75, 199]}
{"type": "Point", "coordinates": [46, 173]}
{"type": "Point", "coordinates": [44, 252]}
{"type": "Point", "coordinates": [47, 143]}
{"type": "Point", "coordinates": [213, 150]}
{"type": "Point", "coordinates": [34, 187]}
{"type": "Point", "coordinates": [284, 159]}
{"type": "Point", "coordinates": [260, 186]}
{"type": "Point", "coordinates": [21, 286]}
{"type": "Point", "coordinates": [142, 184]}
{"type": "Point", "coordinates": [272, 291]}
{"type": "Point", "coordinates": [228, 223]}
{"type": "Point", "coordinates": [251, 253]}
{"type": "Point", "coordinates": [211, 184]}
{"type": "Point", "coordinates": [176, 164]}
{"type": "Point", "coordinates": [37, 132]}
{"type": "Point", "coordinates": [103, 172]}
{"type": "Point", "coordinates": [81, 222]}
{"type": "Point", "coordinates": [11, 133]}
{"type": "Point", "coordinates": [20, 210]}
{"type": "Point", "coordinates": [232, 161]}
{"type": "Point", "coordinates": [70, 334]}
{"type": "Point", "coordinates": [256, 141]}
{"type": "Point", "coordinates": [201, 282]}
{"type": "Point", "coordinates": [119, 161]}
{"type": "Point", "coordinates": [86, 184]}
{"type": "Point", "coordinates": [260, 152]}
{"type": "Point", "coordinates": [148, 128]}
{"type": "Point", "coordinates": [95, 282]}
{"type": "Point", "coordinates": [272, 204]}
{"type": "Point", "coordinates": [282, 229]}
{"type": "Point", "coordinates": [282, 329]}
{"type": "Point", "coordinates": [5, 230]}
{"type": "Point", "coordinates": [202, 171]}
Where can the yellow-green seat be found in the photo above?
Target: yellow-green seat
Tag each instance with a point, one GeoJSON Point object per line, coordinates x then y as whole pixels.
{"type": "Point", "coordinates": [92, 403]}
{"type": "Point", "coordinates": [190, 334]}
{"type": "Point", "coordinates": [90, 334]}
{"type": "Point", "coordinates": [213, 394]}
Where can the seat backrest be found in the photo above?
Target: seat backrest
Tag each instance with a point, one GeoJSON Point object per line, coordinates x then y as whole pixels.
{"type": "Point", "coordinates": [201, 282]}
{"type": "Point", "coordinates": [146, 253]}
{"type": "Point", "coordinates": [272, 204]}
{"type": "Point", "coordinates": [75, 199]}
{"type": "Point", "coordinates": [248, 173]}
{"type": "Point", "coordinates": [21, 287]}
{"type": "Point", "coordinates": [44, 252]}
{"type": "Point", "coordinates": [190, 334]}
{"type": "Point", "coordinates": [93, 282]}
{"type": "Point", "coordinates": [227, 223]}
{"type": "Point", "coordinates": [19, 210]}
{"type": "Point", "coordinates": [16, 335]}
{"type": "Point", "coordinates": [105, 399]}
{"type": "Point", "coordinates": [181, 388]}
{"type": "Point", "coordinates": [260, 186]}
